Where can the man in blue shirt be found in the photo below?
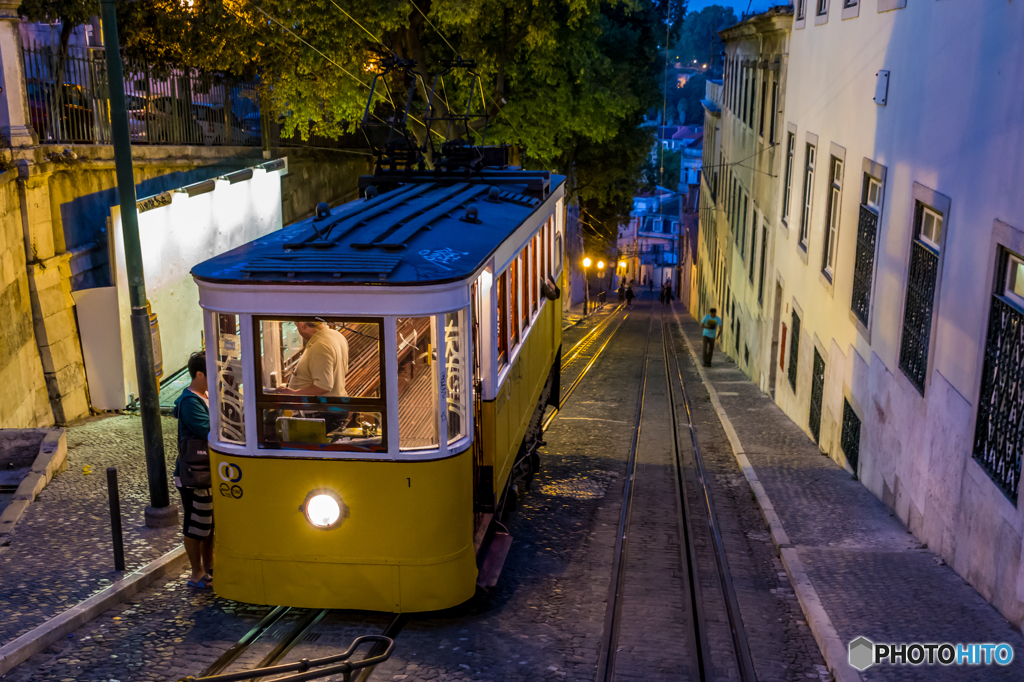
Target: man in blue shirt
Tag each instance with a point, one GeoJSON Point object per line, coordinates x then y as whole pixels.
{"type": "Point", "coordinates": [711, 323]}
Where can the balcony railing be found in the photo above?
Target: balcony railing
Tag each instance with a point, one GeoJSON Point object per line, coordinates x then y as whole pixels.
{"type": "Point", "coordinates": [68, 101]}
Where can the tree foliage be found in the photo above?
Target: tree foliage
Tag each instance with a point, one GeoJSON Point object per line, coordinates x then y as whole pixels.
{"type": "Point", "coordinates": [565, 81]}
{"type": "Point", "coordinates": [699, 38]}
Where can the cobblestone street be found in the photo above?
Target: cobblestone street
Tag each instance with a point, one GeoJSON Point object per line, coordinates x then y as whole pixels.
{"type": "Point", "coordinates": [546, 617]}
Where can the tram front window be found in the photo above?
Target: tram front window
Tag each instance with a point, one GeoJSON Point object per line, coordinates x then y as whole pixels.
{"type": "Point", "coordinates": [321, 384]}
{"type": "Point", "coordinates": [417, 382]}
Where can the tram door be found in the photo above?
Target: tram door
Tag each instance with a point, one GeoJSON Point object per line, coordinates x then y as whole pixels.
{"type": "Point", "coordinates": [483, 485]}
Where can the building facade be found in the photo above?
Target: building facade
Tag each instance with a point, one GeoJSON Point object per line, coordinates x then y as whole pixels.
{"type": "Point", "coordinates": [649, 244]}
{"type": "Point", "coordinates": [742, 157]}
{"type": "Point", "coordinates": [894, 300]}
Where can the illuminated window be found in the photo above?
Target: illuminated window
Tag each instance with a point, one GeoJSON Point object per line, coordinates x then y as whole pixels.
{"type": "Point", "coordinates": [231, 415]}
{"type": "Point", "coordinates": [320, 383]}
{"type": "Point", "coordinates": [524, 273]}
{"type": "Point", "coordinates": [417, 383]}
{"type": "Point", "coordinates": [457, 382]}
{"type": "Point", "coordinates": [500, 293]}
{"type": "Point", "coordinates": [513, 288]}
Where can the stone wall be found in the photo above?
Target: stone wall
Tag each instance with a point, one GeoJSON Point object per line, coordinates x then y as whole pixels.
{"type": "Point", "coordinates": [319, 175]}
{"type": "Point", "coordinates": [23, 397]}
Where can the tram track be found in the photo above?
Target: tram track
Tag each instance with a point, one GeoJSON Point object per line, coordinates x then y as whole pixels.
{"type": "Point", "coordinates": [689, 529]}
{"type": "Point", "coordinates": [270, 664]}
{"type": "Point", "coordinates": [564, 398]}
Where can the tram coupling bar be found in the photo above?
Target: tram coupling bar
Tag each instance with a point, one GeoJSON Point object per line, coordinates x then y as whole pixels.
{"type": "Point", "coordinates": [338, 664]}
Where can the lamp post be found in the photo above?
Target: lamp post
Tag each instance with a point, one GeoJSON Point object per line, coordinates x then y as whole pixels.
{"type": "Point", "coordinates": [600, 274]}
{"type": "Point", "coordinates": [160, 512]}
{"type": "Point", "coordinates": [586, 286]}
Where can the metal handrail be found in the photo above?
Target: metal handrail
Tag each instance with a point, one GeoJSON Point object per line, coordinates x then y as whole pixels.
{"type": "Point", "coordinates": [303, 667]}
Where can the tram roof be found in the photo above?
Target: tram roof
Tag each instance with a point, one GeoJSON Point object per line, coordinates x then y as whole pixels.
{"type": "Point", "coordinates": [416, 233]}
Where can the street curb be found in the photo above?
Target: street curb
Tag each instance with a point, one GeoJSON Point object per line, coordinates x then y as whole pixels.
{"type": "Point", "coordinates": [38, 639]}
{"type": "Point", "coordinates": [51, 460]}
{"type": "Point", "coordinates": [832, 648]}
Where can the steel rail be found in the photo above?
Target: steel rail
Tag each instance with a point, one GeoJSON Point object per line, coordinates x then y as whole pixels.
{"type": "Point", "coordinates": [688, 548]}
{"type": "Point", "coordinates": [613, 613]}
{"type": "Point", "coordinates": [305, 624]}
{"type": "Point", "coordinates": [572, 387]}
{"type": "Point", "coordinates": [228, 657]}
{"type": "Point", "coordinates": [391, 632]}
{"type": "Point", "coordinates": [578, 348]}
{"type": "Point", "coordinates": [741, 646]}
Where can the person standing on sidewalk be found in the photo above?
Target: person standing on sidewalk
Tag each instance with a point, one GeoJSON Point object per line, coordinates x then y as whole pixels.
{"type": "Point", "coordinates": [192, 410]}
{"type": "Point", "coordinates": [711, 324]}
{"type": "Point", "coordinates": [629, 297]}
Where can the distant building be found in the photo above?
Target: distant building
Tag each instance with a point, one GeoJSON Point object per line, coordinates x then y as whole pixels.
{"type": "Point", "coordinates": [649, 243]}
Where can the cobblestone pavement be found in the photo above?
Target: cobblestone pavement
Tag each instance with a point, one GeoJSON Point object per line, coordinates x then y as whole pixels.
{"type": "Point", "coordinates": [873, 578]}
{"type": "Point", "coordinates": [544, 620]}
{"type": "Point", "coordinates": [60, 551]}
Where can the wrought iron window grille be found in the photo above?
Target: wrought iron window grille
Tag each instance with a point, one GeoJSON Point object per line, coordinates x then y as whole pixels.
{"type": "Point", "coordinates": [999, 432]}
{"type": "Point", "coordinates": [864, 264]}
{"type": "Point", "coordinates": [917, 316]}
{"type": "Point", "coordinates": [817, 393]}
{"type": "Point", "coordinates": [850, 439]}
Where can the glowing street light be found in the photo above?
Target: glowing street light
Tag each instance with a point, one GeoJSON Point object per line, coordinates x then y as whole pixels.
{"type": "Point", "coordinates": [587, 262]}
{"type": "Point", "coordinates": [600, 265]}
{"type": "Point", "coordinates": [622, 263]}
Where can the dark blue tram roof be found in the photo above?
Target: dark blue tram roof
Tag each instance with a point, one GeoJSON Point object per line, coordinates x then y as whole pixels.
{"type": "Point", "coordinates": [416, 233]}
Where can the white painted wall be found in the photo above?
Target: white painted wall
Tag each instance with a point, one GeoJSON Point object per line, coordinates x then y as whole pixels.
{"type": "Point", "coordinates": [174, 238]}
{"type": "Point", "coordinates": [954, 122]}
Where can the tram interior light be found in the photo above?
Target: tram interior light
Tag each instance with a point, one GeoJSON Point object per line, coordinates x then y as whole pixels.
{"type": "Point", "coordinates": [324, 509]}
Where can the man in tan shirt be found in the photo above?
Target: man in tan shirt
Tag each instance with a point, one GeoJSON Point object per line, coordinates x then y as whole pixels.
{"type": "Point", "coordinates": [324, 362]}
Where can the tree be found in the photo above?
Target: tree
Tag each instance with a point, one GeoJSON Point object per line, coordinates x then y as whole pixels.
{"type": "Point", "coordinates": [70, 13]}
{"type": "Point", "coordinates": [699, 41]}
{"type": "Point", "coordinates": [561, 79]}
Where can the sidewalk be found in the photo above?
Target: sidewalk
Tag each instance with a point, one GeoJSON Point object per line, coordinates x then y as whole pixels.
{"type": "Point", "coordinates": [575, 315]}
{"type": "Point", "coordinates": [59, 553]}
{"type": "Point", "coordinates": [869, 576]}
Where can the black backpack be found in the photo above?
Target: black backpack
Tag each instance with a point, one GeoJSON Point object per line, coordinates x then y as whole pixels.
{"type": "Point", "coordinates": [194, 463]}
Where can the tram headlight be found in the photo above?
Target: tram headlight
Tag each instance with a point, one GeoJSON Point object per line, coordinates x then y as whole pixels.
{"type": "Point", "coordinates": [324, 509]}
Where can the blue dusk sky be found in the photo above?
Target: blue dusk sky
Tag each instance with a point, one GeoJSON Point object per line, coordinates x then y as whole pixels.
{"type": "Point", "coordinates": [738, 6]}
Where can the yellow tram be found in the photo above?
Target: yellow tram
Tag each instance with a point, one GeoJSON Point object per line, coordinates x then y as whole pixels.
{"type": "Point", "coordinates": [377, 373]}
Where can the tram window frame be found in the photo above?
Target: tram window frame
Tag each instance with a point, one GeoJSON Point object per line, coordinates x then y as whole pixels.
{"type": "Point", "coordinates": [229, 359]}
{"type": "Point", "coordinates": [531, 265]}
{"type": "Point", "coordinates": [283, 401]}
{"type": "Point", "coordinates": [546, 256]}
{"type": "Point", "coordinates": [501, 296]}
{"type": "Point", "coordinates": [513, 308]}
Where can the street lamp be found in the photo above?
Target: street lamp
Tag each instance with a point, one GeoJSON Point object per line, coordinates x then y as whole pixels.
{"type": "Point", "coordinates": [586, 287]}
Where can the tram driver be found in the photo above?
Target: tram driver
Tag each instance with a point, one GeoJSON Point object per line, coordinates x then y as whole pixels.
{"type": "Point", "coordinates": [323, 364]}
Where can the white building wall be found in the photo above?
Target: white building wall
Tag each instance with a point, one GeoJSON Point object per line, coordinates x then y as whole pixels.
{"type": "Point", "coordinates": [954, 123]}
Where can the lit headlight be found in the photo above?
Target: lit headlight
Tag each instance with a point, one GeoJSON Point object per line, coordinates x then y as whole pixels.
{"type": "Point", "coordinates": [324, 509]}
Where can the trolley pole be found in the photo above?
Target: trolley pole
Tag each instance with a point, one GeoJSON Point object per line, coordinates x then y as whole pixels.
{"type": "Point", "coordinates": [159, 513]}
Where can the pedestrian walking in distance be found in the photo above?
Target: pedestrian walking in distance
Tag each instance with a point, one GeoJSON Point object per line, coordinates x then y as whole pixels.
{"type": "Point", "coordinates": [192, 410]}
{"type": "Point", "coordinates": [711, 324]}
{"type": "Point", "coordinates": [629, 297]}
{"type": "Point", "coordinates": [622, 292]}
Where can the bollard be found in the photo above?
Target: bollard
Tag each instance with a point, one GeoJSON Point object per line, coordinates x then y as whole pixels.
{"type": "Point", "coordinates": [115, 518]}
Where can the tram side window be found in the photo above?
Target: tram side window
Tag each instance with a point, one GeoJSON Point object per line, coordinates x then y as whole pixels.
{"type": "Point", "coordinates": [545, 270]}
{"type": "Point", "coordinates": [531, 279]}
{"type": "Point", "coordinates": [513, 316]}
{"type": "Point", "coordinates": [457, 380]}
{"type": "Point", "coordinates": [537, 276]}
{"type": "Point", "coordinates": [321, 384]}
{"type": "Point", "coordinates": [229, 378]}
{"type": "Point", "coordinates": [524, 268]}
{"type": "Point", "coordinates": [417, 383]}
{"type": "Point", "coordinates": [502, 318]}
{"type": "Point", "coordinates": [558, 253]}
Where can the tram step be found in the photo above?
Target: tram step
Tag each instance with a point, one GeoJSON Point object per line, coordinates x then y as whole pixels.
{"type": "Point", "coordinates": [493, 560]}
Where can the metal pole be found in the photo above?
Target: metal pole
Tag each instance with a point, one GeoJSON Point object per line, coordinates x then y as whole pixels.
{"type": "Point", "coordinates": [115, 518]}
{"type": "Point", "coordinates": [586, 291]}
{"type": "Point", "coordinates": [159, 513]}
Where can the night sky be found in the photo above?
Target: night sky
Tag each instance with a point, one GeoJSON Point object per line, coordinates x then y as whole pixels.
{"type": "Point", "coordinates": [738, 6]}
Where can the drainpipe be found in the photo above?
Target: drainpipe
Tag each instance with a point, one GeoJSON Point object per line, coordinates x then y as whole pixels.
{"type": "Point", "coordinates": [159, 513]}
